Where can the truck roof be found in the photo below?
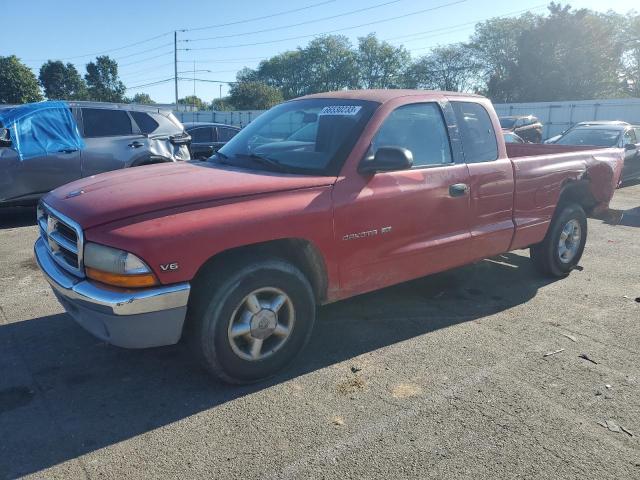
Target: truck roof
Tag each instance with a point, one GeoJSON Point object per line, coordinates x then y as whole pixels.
{"type": "Point", "coordinates": [382, 96]}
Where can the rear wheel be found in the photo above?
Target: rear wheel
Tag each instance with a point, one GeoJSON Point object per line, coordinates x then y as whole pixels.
{"type": "Point", "coordinates": [562, 247]}
{"type": "Point", "coordinates": [250, 320]}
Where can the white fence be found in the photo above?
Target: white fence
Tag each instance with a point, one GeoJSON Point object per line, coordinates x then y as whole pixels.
{"type": "Point", "coordinates": [239, 118]}
{"type": "Point", "coordinates": [558, 116]}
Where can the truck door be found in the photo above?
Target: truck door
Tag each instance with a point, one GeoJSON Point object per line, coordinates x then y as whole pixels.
{"type": "Point", "coordinates": [491, 180]}
{"type": "Point", "coordinates": [395, 226]}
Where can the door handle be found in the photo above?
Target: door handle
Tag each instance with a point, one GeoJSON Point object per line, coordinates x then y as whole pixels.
{"type": "Point", "coordinates": [136, 144]}
{"type": "Point", "coordinates": [68, 150]}
{"type": "Point", "coordinates": [458, 189]}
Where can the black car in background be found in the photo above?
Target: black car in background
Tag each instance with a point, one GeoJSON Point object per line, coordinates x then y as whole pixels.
{"type": "Point", "coordinates": [527, 127]}
{"type": "Point", "coordinates": [609, 134]}
{"type": "Point", "coordinates": [208, 138]}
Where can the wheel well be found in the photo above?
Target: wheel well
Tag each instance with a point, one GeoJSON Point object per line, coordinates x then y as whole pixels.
{"type": "Point", "coordinates": [578, 192]}
{"type": "Point", "coordinates": [299, 252]}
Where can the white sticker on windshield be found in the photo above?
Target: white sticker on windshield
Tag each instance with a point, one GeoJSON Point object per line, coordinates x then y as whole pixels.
{"type": "Point", "coordinates": [341, 110]}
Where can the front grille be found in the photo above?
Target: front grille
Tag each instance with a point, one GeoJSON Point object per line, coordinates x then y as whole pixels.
{"type": "Point", "coordinates": [63, 238]}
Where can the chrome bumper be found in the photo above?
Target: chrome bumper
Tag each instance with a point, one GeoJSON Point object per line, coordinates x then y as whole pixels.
{"type": "Point", "coordinates": [143, 318]}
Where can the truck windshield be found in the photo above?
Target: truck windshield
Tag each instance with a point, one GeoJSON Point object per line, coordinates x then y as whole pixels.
{"type": "Point", "coordinates": [312, 136]}
{"type": "Point", "coordinates": [598, 137]}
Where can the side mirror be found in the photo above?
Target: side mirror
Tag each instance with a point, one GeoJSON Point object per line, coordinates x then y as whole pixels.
{"type": "Point", "coordinates": [629, 146]}
{"type": "Point", "coordinates": [387, 159]}
{"type": "Point", "coordinates": [5, 137]}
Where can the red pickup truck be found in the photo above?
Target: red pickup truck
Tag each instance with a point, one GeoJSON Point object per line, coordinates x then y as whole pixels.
{"type": "Point", "coordinates": [319, 199]}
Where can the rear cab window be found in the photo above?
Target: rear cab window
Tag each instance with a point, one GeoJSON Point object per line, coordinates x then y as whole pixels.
{"type": "Point", "coordinates": [478, 137]}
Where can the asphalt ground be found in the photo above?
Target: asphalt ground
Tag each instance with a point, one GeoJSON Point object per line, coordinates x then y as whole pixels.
{"type": "Point", "coordinates": [443, 377]}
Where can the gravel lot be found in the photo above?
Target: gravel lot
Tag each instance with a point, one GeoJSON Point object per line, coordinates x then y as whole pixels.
{"type": "Point", "coordinates": [440, 377]}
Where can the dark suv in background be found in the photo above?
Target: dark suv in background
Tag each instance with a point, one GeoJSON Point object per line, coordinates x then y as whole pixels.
{"type": "Point", "coordinates": [208, 138]}
{"type": "Point", "coordinates": [527, 127]}
{"type": "Point", "coordinates": [114, 135]}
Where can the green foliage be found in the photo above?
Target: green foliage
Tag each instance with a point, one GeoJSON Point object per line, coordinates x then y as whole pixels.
{"type": "Point", "coordinates": [451, 68]}
{"type": "Point", "coordinates": [62, 82]}
{"type": "Point", "coordinates": [194, 101]}
{"type": "Point", "coordinates": [251, 95]}
{"type": "Point", "coordinates": [18, 84]}
{"type": "Point", "coordinates": [380, 64]}
{"type": "Point", "coordinates": [222, 104]}
{"type": "Point", "coordinates": [566, 55]}
{"type": "Point", "coordinates": [103, 83]}
{"type": "Point", "coordinates": [142, 99]}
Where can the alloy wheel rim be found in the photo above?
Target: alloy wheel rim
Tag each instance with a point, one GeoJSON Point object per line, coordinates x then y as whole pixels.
{"type": "Point", "coordinates": [569, 241]}
{"type": "Point", "coordinates": [261, 324]}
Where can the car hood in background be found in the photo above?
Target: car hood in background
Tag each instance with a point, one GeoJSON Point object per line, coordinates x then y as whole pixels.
{"type": "Point", "coordinates": [126, 193]}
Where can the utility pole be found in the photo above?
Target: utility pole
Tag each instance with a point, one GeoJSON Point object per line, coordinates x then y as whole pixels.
{"type": "Point", "coordinates": [175, 63]}
{"type": "Point", "coordinates": [194, 85]}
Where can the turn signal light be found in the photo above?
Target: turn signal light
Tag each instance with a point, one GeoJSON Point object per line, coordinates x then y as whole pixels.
{"type": "Point", "coordinates": [120, 280]}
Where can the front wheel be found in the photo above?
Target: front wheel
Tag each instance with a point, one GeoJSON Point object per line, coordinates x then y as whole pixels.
{"type": "Point", "coordinates": [562, 247]}
{"type": "Point", "coordinates": [253, 322]}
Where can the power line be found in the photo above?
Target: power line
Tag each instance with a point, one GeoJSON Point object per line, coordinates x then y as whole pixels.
{"type": "Point", "coordinates": [272, 15]}
{"type": "Point", "coordinates": [307, 22]}
{"type": "Point", "coordinates": [146, 59]}
{"type": "Point", "coordinates": [535, 7]}
{"type": "Point", "coordinates": [450, 4]}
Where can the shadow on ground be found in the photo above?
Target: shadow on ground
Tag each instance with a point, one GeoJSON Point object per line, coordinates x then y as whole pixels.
{"type": "Point", "coordinates": [86, 395]}
{"type": "Point", "coordinates": [12, 217]}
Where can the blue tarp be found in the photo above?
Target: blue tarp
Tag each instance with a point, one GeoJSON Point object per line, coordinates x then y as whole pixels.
{"type": "Point", "coordinates": [37, 129]}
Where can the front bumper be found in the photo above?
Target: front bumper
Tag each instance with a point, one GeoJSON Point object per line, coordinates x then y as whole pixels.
{"type": "Point", "coordinates": [143, 318]}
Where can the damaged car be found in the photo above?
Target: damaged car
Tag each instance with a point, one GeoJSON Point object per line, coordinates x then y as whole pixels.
{"type": "Point", "coordinates": [48, 144]}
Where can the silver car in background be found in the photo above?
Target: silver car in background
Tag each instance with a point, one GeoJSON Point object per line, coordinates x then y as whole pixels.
{"type": "Point", "coordinates": [114, 136]}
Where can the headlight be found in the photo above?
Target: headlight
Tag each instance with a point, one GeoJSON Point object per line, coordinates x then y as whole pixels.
{"type": "Point", "coordinates": [116, 267]}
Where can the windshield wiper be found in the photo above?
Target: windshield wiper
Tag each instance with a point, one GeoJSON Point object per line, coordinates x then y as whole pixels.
{"type": "Point", "coordinates": [270, 162]}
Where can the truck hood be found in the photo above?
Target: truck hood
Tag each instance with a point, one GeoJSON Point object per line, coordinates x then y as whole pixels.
{"type": "Point", "coordinates": [126, 193]}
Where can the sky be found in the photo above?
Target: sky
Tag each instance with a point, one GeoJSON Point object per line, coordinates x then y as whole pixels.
{"type": "Point", "coordinates": [225, 36]}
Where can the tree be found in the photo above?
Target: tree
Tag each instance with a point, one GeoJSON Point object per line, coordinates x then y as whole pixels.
{"type": "Point", "coordinates": [569, 55]}
{"type": "Point", "coordinates": [452, 68]}
{"type": "Point", "coordinates": [631, 57]}
{"type": "Point", "coordinates": [380, 64]}
{"type": "Point", "coordinates": [142, 99]}
{"type": "Point", "coordinates": [248, 95]}
{"type": "Point", "coordinates": [18, 84]}
{"type": "Point", "coordinates": [330, 64]}
{"type": "Point", "coordinates": [193, 101]}
{"type": "Point", "coordinates": [103, 83]}
{"type": "Point", "coordinates": [495, 47]}
{"type": "Point", "coordinates": [62, 82]}
{"type": "Point", "coordinates": [222, 104]}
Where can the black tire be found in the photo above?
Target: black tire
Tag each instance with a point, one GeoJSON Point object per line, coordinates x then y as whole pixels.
{"type": "Point", "coordinates": [546, 254]}
{"type": "Point", "coordinates": [218, 296]}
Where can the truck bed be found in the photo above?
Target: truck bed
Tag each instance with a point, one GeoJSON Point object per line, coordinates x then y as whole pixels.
{"type": "Point", "coordinates": [542, 171]}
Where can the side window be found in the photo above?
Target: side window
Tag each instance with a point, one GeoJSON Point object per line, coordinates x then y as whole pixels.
{"type": "Point", "coordinates": [629, 137]}
{"type": "Point", "coordinates": [419, 128]}
{"type": "Point", "coordinates": [102, 122]}
{"type": "Point", "coordinates": [201, 135]}
{"type": "Point", "coordinates": [144, 121]}
{"type": "Point", "coordinates": [637, 134]}
{"type": "Point", "coordinates": [478, 137]}
{"type": "Point", "coordinates": [226, 134]}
